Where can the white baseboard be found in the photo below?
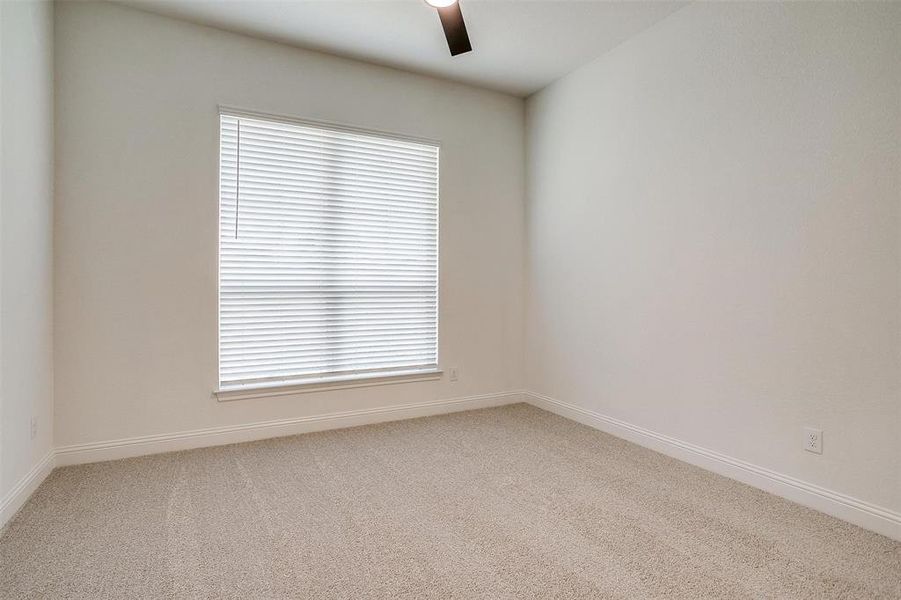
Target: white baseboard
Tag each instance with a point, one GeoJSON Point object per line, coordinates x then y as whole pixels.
{"type": "Point", "coordinates": [869, 516]}
{"type": "Point", "coordinates": [231, 434]}
{"type": "Point", "coordinates": [16, 497]}
{"type": "Point", "coordinates": [853, 510]}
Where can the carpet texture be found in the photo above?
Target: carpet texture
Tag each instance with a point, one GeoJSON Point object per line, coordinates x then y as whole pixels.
{"type": "Point", "coordinates": [511, 502]}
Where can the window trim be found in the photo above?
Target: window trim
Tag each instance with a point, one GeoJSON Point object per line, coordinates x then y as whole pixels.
{"type": "Point", "coordinates": [231, 111]}
{"type": "Point", "coordinates": [324, 384]}
{"type": "Point", "coordinates": [328, 382]}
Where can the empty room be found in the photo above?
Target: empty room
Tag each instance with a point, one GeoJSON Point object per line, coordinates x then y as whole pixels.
{"type": "Point", "coordinates": [451, 299]}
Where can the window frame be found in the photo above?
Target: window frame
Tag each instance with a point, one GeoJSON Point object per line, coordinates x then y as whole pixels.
{"type": "Point", "coordinates": [326, 381]}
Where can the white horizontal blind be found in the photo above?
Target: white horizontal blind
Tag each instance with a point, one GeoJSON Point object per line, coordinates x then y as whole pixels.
{"type": "Point", "coordinates": [328, 253]}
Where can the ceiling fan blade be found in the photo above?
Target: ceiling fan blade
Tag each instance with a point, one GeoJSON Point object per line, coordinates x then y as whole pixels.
{"type": "Point", "coordinates": [454, 29]}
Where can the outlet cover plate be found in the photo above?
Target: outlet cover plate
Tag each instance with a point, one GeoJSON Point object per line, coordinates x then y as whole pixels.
{"type": "Point", "coordinates": [813, 440]}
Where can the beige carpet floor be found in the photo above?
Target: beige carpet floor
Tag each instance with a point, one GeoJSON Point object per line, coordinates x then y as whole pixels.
{"type": "Point", "coordinates": [510, 502]}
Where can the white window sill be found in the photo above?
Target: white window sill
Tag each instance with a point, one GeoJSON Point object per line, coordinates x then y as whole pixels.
{"type": "Point", "coordinates": [246, 392]}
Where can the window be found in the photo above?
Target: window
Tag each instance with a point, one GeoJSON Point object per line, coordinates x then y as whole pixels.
{"type": "Point", "coordinates": [328, 254]}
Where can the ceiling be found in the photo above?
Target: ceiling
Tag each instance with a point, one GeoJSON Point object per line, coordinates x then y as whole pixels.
{"type": "Point", "coordinates": [519, 46]}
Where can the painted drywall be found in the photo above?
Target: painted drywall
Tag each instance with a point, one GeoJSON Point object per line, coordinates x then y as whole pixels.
{"type": "Point", "coordinates": [26, 244]}
{"type": "Point", "coordinates": [136, 217]}
{"type": "Point", "coordinates": [713, 237]}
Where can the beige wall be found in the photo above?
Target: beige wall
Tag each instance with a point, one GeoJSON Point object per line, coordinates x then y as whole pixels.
{"type": "Point", "coordinates": [136, 216]}
{"type": "Point", "coordinates": [713, 237]}
{"type": "Point", "coordinates": [26, 246]}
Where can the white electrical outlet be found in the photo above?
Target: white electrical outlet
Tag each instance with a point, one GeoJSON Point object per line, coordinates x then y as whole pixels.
{"type": "Point", "coordinates": [813, 440]}
{"type": "Point", "coordinates": [453, 373]}
{"type": "Point", "coordinates": [34, 427]}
